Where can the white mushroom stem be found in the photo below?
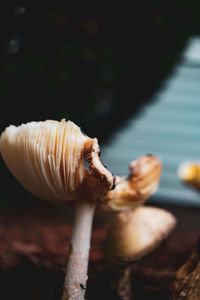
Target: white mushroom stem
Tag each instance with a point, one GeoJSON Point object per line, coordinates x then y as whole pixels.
{"type": "Point", "coordinates": [77, 267]}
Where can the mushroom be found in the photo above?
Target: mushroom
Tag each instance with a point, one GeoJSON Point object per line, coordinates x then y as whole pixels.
{"type": "Point", "coordinates": [189, 173]}
{"type": "Point", "coordinates": [133, 191]}
{"type": "Point", "coordinates": [131, 235]}
{"type": "Point", "coordinates": [47, 158]}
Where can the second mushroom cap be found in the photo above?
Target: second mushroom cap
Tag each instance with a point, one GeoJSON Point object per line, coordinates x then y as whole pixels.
{"type": "Point", "coordinates": [133, 234]}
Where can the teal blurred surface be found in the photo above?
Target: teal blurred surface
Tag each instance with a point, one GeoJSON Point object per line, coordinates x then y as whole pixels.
{"type": "Point", "coordinates": [168, 126]}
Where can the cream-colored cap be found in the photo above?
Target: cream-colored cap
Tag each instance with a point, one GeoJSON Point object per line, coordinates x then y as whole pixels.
{"type": "Point", "coordinates": [133, 191]}
{"type": "Point", "coordinates": [47, 158]}
{"type": "Point", "coordinates": [135, 233]}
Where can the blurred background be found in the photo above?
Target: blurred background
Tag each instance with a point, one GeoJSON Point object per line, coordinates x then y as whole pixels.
{"type": "Point", "coordinates": [127, 74]}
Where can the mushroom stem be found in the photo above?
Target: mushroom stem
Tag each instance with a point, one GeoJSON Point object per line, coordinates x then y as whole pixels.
{"type": "Point", "coordinates": [77, 267]}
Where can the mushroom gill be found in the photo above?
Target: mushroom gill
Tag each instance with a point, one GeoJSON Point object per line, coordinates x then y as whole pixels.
{"type": "Point", "coordinates": [47, 158]}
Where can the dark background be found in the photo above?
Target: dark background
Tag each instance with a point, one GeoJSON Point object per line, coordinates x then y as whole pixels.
{"type": "Point", "coordinates": [93, 63]}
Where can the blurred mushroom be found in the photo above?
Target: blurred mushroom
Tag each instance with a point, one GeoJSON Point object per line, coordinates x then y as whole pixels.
{"type": "Point", "coordinates": [132, 235]}
{"type": "Point", "coordinates": [142, 182]}
{"type": "Point", "coordinates": [189, 173]}
{"type": "Point", "coordinates": [48, 160]}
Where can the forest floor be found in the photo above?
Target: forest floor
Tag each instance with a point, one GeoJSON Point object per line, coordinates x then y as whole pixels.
{"type": "Point", "coordinates": [33, 251]}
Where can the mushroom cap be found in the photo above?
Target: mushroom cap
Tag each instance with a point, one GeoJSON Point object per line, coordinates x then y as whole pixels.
{"type": "Point", "coordinates": [47, 158]}
{"type": "Point", "coordinates": [189, 173]}
{"type": "Point", "coordinates": [133, 191]}
{"type": "Point", "coordinates": [135, 233]}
